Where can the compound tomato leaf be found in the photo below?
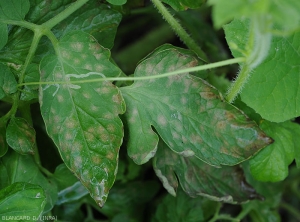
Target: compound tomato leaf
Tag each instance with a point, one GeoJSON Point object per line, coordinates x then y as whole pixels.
{"type": "Point", "coordinates": [198, 178]}
{"type": "Point", "coordinates": [180, 5]}
{"type": "Point", "coordinates": [188, 113]}
{"type": "Point", "coordinates": [82, 119]}
{"type": "Point", "coordinates": [271, 163]}
{"type": "Point", "coordinates": [20, 136]}
{"type": "Point", "coordinates": [272, 89]}
{"type": "Point", "coordinates": [8, 83]}
{"type": "Point", "coordinates": [19, 199]}
{"type": "Point", "coordinates": [13, 9]}
{"type": "Point", "coordinates": [22, 168]}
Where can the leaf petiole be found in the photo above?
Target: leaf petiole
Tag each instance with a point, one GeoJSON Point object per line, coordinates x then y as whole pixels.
{"type": "Point", "coordinates": [192, 69]}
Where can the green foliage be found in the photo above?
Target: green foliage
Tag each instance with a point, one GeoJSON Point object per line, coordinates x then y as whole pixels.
{"type": "Point", "coordinates": [82, 140]}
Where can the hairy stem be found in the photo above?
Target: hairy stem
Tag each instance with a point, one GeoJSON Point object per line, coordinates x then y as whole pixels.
{"type": "Point", "coordinates": [187, 70]}
{"type": "Point", "coordinates": [259, 44]}
{"type": "Point", "coordinates": [184, 36]}
{"type": "Point", "coordinates": [238, 84]}
{"type": "Point", "coordinates": [64, 14]}
{"type": "Point", "coordinates": [16, 96]}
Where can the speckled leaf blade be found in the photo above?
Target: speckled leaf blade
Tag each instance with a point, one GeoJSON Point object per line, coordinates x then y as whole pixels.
{"type": "Point", "coordinates": [8, 83]}
{"type": "Point", "coordinates": [22, 168]}
{"type": "Point", "coordinates": [180, 5]}
{"type": "Point", "coordinates": [188, 113]}
{"type": "Point", "coordinates": [20, 136]}
{"type": "Point", "coordinates": [82, 119]}
{"type": "Point", "coordinates": [272, 89]}
{"type": "Point", "coordinates": [20, 199]}
{"type": "Point", "coordinates": [200, 179]}
{"type": "Point", "coordinates": [271, 163]}
{"type": "Point", "coordinates": [13, 9]}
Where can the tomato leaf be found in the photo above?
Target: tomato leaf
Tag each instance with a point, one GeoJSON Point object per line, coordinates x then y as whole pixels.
{"type": "Point", "coordinates": [197, 178]}
{"type": "Point", "coordinates": [20, 136]}
{"type": "Point", "coordinates": [20, 199]}
{"type": "Point", "coordinates": [8, 83]}
{"type": "Point", "coordinates": [13, 9]}
{"type": "Point", "coordinates": [188, 113]}
{"type": "Point", "coordinates": [83, 119]}
{"type": "Point", "coordinates": [179, 208]}
{"type": "Point", "coordinates": [22, 168]}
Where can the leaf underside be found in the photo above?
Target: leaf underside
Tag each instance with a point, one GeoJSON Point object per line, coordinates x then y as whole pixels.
{"type": "Point", "coordinates": [190, 115]}
{"type": "Point", "coordinates": [200, 179]}
{"type": "Point", "coordinates": [82, 119]}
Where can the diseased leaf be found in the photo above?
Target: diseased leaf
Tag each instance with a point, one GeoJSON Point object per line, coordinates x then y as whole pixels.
{"type": "Point", "coordinates": [13, 9]}
{"type": "Point", "coordinates": [180, 5]}
{"type": "Point", "coordinates": [22, 168]}
{"type": "Point", "coordinates": [272, 89]}
{"type": "Point", "coordinates": [82, 119]}
{"type": "Point", "coordinates": [20, 136]}
{"type": "Point", "coordinates": [3, 35]}
{"type": "Point", "coordinates": [3, 143]}
{"type": "Point", "coordinates": [271, 163]}
{"type": "Point", "coordinates": [188, 113]}
{"type": "Point", "coordinates": [8, 83]}
{"type": "Point", "coordinates": [21, 199]}
{"type": "Point", "coordinates": [199, 179]}
{"type": "Point", "coordinates": [179, 208]}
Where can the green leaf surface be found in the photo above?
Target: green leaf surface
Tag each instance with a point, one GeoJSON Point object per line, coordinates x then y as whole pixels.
{"type": "Point", "coordinates": [272, 90]}
{"type": "Point", "coordinates": [83, 119]}
{"type": "Point", "coordinates": [20, 136]}
{"type": "Point", "coordinates": [188, 113]}
{"type": "Point", "coordinates": [199, 179]}
{"type": "Point", "coordinates": [180, 5]}
{"type": "Point", "coordinates": [271, 163]}
{"type": "Point", "coordinates": [283, 14]}
{"type": "Point", "coordinates": [13, 9]}
{"type": "Point", "coordinates": [3, 143]}
{"type": "Point", "coordinates": [21, 199]}
{"type": "Point", "coordinates": [117, 2]}
{"type": "Point", "coordinates": [3, 35]}
{"type": "Point", "coordinates": [8, 83]}
{"type": "Point", "coordinates": [95, 18]}
{"type": "Point", "coordinates": [22, 168]}
{"type": "Point", "coordinates": [179, 208]}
